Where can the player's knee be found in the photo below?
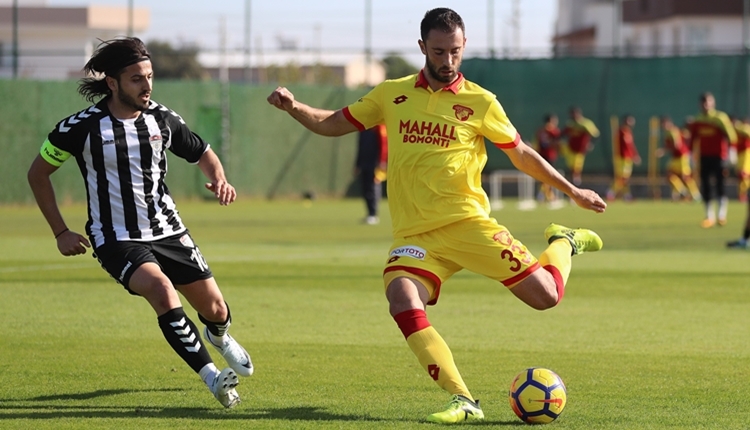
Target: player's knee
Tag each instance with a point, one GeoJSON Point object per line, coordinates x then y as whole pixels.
{"type": "Point", "coordinates": [537, 294]}
{"type": "Point", "coordinates": [543, 300]}
{"type": "Point", "coordinates": [216, 310]}
{"type": "Point", "coordinates": [547, 300]}
{"type": "Point", "coordinates": [158, 291]}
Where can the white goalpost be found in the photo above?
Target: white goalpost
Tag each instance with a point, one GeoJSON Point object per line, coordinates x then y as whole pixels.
{"type": "Point", "coordinates": [524, 182]}
{"type": "Point", "coordinates": [526, 187]}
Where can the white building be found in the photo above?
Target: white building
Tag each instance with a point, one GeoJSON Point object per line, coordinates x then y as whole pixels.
{"type": "Point", "coordinates": [648, 27]}
{"type": "Point", "coordinates": [56, 42]}
{"type": "Point", "coordinates": [351, 70]}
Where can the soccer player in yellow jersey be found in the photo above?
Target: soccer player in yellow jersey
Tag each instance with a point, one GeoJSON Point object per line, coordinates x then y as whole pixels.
{"type": "Point", "coordinates": [679, 172]}
{"type": "Point", "coordinates": [743, 157]}
{"type": "Point", "coordinates": [578, 131]}
{"type": "Point", "coordinates": [437, 122]}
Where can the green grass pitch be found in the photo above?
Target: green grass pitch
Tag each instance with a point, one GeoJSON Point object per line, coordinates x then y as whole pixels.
{"type": "Point", "coordinates": [653, 333]}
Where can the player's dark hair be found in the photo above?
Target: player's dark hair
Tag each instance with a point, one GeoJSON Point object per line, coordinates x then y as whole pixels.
{"type": "Point", "coordinates": [110, 59]}
{"type": "Point", "coordinates": [705, 96]}
{"type": "Point", "coordinates": [549, 117]}
{"type": "Point", "coordinates": [666, 118]}
{"type": "Point", "coordinates": [443, 19]}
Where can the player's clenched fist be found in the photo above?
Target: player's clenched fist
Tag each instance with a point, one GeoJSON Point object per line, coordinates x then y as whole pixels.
{"type": "Point", "coordinates": [282, 98]}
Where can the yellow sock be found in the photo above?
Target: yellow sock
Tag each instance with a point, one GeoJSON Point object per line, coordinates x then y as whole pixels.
{"type": "Point", "coordinates": [693, 187]}
{"type": "Point", "coordinates": [743, 187]}
{"type": "Point", "coordinates": [677, 185]}
{"type": "Point", "coordinates": [436, 358]}
{"type": "Point", "coordinates": [558, 255]}
{"type": "Point", "coordinates": [616, 187]}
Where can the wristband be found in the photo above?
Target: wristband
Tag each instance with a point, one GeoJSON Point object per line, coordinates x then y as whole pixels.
{"type": "Point", "coordinates": [60, 234]}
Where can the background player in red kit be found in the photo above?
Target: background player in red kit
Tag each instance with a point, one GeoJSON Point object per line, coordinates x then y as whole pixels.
{"type": "Point", "coordinates": [711, 133]}
{"type": "Point", "coordinates": [579, 131]}
{"type": "Point", "coordinates": [627, 155]}
{"type": "Point", "coordinates": [547, 143]}
{"type": "Point", "coordinates": [679, 172]}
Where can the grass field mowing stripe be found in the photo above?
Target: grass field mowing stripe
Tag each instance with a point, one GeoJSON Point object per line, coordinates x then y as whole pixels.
{"type": "Point", "coordinates": [652, 333]}
{"type": "Point", "coordinates": [43, 268]}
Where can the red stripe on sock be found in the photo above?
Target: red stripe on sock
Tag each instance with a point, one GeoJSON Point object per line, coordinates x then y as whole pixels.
{"type": "Point", "coordinates": [411, 321]}
{"type": "Point", "coordinates": [558, 281]}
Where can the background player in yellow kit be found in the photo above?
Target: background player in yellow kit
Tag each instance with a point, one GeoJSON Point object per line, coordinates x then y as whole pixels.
{"type": "Point", "coordinates": [679, 172]}
{"type": "Point", "coordinates": [578, 132]}
{"type": "Point", "coordinates": [742, 127]}
{"type": "Point", "coordinates": [436, 122]}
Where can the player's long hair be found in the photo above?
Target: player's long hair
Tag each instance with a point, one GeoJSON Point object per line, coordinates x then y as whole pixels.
{"type": "Point", "coordinates": [110, 59]}
{"type": "Point", "coordinates": [443, 19]}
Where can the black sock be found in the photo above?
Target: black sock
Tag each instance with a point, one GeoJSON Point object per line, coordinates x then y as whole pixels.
{"type": "Point", "coordinates": [183, 336]}
{"type": "Point", "coordinates": [218, 329]}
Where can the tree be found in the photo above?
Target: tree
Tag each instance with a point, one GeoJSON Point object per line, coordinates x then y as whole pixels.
{"type": "Point", "coordinates": [397, 67]}
{"type": "Point", "coordinates": [293, 73]}
{"type": "Point", "coordinates": [175, 63]}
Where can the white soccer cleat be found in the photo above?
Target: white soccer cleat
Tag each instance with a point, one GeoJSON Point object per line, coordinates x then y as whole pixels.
{"type": "Point", "coordinates": [223, 388]}
{"type": "Point", "coordinates": [235, 355]}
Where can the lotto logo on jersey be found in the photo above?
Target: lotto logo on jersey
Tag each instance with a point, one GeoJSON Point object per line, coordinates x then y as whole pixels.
{"type": "Point", "coordinates": [409, 251]}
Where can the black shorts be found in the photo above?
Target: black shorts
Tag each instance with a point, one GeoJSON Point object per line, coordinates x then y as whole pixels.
{"type": "Point", "coordinates": [177, 256]}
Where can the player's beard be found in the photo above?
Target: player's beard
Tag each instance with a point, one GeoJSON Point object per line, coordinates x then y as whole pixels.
{"type": "Point", "coordinates": [435, 72]}
{"type": "Point", "coordinates": [130, 101]}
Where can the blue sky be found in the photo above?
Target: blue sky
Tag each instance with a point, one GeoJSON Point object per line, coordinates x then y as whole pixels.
{"type": "Point", "coordinates": [336, 24]}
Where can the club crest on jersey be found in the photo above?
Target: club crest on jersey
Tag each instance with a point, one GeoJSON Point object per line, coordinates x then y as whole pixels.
{"type": "Point", "coordinates": [409, 251]}
{"type": "Point", "coordinates": [187, 242]}
{"type": "Point", "coordinates": [155, 142]}
{"type": "Point", "coordinates": [462, 112]}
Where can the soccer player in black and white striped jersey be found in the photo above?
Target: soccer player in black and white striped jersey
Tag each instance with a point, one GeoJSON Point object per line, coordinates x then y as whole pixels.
{"type": "Point", "coordinates": [120, 146]}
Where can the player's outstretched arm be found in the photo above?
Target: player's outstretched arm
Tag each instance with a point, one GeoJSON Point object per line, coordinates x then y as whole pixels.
{"type": "Point", "coordinates": [525, 159]}
{"type": "Point", "coordinates": [210, 165]}
{"type": "Point", "coordinates": [319, 121]}
{"type": "Point", "coordinates": [68, 242]}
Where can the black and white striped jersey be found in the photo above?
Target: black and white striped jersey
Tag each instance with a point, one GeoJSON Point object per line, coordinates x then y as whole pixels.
{"type": "Point", "coordinates": [124, 163]}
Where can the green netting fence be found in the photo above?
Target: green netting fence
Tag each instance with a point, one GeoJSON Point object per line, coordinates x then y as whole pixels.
{"type": "Point", "coordinates": [270, 155]}
{"type": "Point", "coordinates": [602, 87]}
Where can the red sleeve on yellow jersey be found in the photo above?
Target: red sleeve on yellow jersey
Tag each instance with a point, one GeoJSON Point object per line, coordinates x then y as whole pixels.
{"type": "Point", "coordinates": [509, 145]}
{"type": "Point", "coordinates": [367, 111]}
{"type": "Point", "coordinates": [497, 127]}
{"type": "Point", "coordinates": [353, 120]}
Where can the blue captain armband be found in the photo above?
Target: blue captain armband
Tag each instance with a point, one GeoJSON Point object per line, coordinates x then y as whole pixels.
{"type": "Point", "coordinates": [53, 155]}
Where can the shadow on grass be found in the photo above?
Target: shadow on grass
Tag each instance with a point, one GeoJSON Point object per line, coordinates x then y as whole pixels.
{"type": "Point", "coordinates": [93, 395]}
{"type": "Point", "coordinates": [37, 408]}
{"type": "Point", "coordinates": [52, 412]}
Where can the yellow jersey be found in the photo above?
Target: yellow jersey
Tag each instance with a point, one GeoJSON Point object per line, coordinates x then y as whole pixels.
{"type": "Point", "coordinates": [436, 149]}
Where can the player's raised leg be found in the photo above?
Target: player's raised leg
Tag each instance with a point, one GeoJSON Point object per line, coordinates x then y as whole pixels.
{"type": "Point", "coordinates": [407, 296]}
{"type": "Point", "coordinates": [543, 290]}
